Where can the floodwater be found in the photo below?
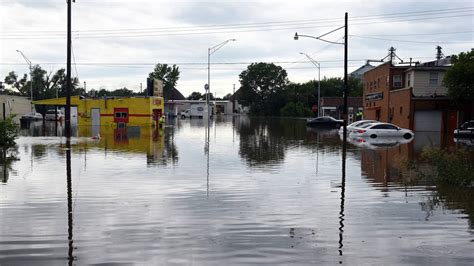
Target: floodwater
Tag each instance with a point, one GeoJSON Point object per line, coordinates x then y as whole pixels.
{"type": "Point", "coordinates": [236, 191]}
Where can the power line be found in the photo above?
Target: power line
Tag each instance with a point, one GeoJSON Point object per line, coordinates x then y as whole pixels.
{"type": "Point", "coordinates": [408, 41]}
{"type": "Point", "coordinates": [196, 31]}
{"type": "Point", "coordinates": [238, 25]}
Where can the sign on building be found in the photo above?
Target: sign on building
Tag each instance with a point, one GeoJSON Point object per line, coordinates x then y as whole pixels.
{"type": "Point", "coordinates": [376, 96]}
{"type": "Point", "coordinates": [157, 87]}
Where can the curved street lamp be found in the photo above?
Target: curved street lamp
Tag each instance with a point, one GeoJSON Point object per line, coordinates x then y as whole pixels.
{"type": "Point", "coordinates": [318, 65]}
{"type": "Point", "coordinates": [28, 61]}
{"type": "Point", "coordinates": [210, 51]}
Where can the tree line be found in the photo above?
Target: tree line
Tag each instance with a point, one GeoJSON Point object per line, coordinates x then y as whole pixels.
{"type": "Point", "coordinates": [264, 87]}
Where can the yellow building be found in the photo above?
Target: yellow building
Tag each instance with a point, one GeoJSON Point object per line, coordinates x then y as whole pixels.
{"type": "Point", "coordinates": [118, 111]}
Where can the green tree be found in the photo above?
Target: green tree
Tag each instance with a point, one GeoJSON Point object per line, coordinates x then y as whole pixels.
{"type": "Point", "coordinates": [16, 83]}
{"type": "Point", "coordinates": [459, 79]}
{"type": "Point", "coordinates": [262, 87]}
{"type": "Point", "coordinates": [195, 96]}
{"type": "Point", "coordinates": [227, 96]}
{"type": "Point", "coordinates": [45, 85]}
{"type": "Point", "coordinates": [169, 75]}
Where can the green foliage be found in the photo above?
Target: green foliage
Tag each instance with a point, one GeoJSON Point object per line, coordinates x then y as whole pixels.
{"type": "Point", "coordinates": [452, 167]}
{"type": "Point", "coordinates": [459, 79]}
{"type": "Point", "coordinates": [262, 85]}
{"type": "Point", "coordinates": [169, 75]}
{"type": "Point", "coordinates": [8, 133]}
{"type": "Point", "coordinates": [292, 109]}
{"type": "Point", "coordinates": [195, 96]}
{"type": "Point", "coordinates": [45, 85]}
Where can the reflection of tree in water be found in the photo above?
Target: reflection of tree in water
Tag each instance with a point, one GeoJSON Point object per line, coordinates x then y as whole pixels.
{"type": "Point", "coordinates": [169, 154]}
{"type": "Point", "coordinates": [262, 141]}
{"type": "Point", "coordinates": [7, 157]}
{"type": "Point", "coordinates": [39, 151]}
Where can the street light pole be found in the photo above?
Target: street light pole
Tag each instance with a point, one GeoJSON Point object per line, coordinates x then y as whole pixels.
{"type": "Point", "coordinates": [31, 76]}
{"type": "Point", "coordinates": [318, 65]}
{"type": "Point", "coordinates": [345, 62]}
{"type": "Point", "coordinates": [210, 51]}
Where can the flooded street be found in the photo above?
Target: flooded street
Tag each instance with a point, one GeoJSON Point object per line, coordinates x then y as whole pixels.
{"type": "Point", "coordinates": [239, 191]}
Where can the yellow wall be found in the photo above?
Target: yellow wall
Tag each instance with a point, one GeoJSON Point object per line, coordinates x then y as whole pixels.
{"type": "Point", "coordinates": [140, 110]}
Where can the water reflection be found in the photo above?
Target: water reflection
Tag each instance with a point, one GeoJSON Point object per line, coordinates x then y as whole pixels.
{"type": "Point", "coordinates": [7, 158]}
{"type": "Point", "coordinates": [69, 204]}
{"type": "Point", "coordinates": [132, 198]}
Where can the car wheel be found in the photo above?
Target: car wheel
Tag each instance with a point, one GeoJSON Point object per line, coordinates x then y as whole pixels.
{"type": "Point", "coordinates": [183, 117]}
{"type": "Point", "coordinates": [407, 136]}
{"type": "Point", "coordinates": [373, 136]}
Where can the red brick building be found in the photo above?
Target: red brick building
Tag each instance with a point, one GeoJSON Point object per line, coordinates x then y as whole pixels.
{"type": "Point", "coordinates": [412, 97]}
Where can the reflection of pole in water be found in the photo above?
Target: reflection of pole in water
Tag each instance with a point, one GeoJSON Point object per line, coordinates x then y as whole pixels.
{"type": "Point", "coordinates": [343, 191]}
{"type": "Point", "coordinates": [69, 202]}
{"type": "Point", "coordinates": [317, 153]}
{"type": "Point", "coordinates": [206, 150]}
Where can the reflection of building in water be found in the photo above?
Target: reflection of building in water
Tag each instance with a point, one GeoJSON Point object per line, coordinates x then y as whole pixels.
{"type": "Point", "coordinates": [150, 141]}
{"type": "Point", "coordinates": [120, 111]}
{"type": "Point", "coordinates": [387, 164]}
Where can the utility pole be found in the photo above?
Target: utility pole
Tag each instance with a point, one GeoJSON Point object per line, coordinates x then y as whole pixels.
{"type": "Point", "coordinates": [140, 88]}
{"type": "Point", "coordinates": [68, 76]}
{"type": "Point", "coordinates": [85, 90]}
{"type": "Point", "coordinates": [345, 77]}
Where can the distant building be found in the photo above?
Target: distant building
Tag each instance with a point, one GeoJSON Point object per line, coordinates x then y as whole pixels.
{"type": "Point", "coordinates": [333, 106]}
{"type": "Point", "coordinates": [172, 104]}
{"type": "Point", "coordinates": [14, 105]}
{"type": "Point", "coordinates": [359, 73]}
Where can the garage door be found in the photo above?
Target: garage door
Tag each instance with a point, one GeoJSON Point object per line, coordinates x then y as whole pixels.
{"type": "Point", "coordinates": [428, 121]}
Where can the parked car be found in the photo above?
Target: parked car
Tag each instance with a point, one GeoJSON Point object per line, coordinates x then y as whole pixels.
{"type": "Point", "coordinates": [51, 115]}
{"type": "Point", "coordinates": [374, 130]}
{"type": "Point", "coordinates": [325, 121]}
{"type": "Point", "coordinates": [465, 130]}
{"type": "Point", "coordinates": [356, 124]}
{"type": "Point", "coordinates": [32, 116]}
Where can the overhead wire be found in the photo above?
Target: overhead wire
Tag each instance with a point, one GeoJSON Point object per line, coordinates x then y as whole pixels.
{"type": "Point", "coordinates": [199, 30]}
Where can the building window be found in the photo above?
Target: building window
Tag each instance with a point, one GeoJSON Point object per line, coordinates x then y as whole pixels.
{"type": "Point", "coordinates": [397, 81]}
{"type": "Point", "coordinates": [401, 109]}
{"type": "Point", "coordinates": [408, 79]}
{"type": "Point", "coordinates": [378, 83]}
{"type": "Point", "coordinates": [121, 115]}
{"type": "Point", "coordinates": [433, 78]}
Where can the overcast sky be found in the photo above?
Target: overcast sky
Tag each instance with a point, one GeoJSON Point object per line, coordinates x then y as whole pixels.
{"type": "Point", "coordinates": [117, 42]}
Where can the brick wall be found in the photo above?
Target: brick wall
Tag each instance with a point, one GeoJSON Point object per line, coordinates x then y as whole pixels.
{"type": "Point", "coordinates": [400, 108]}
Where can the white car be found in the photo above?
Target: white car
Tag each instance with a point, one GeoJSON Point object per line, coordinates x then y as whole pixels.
{"type": "Point", "coordinates": [32, 116]}
{"type": "Point", "coordinates": [356, 124]}
{"type": "Point", "coordinates": [374, 130]}
{"type": "Point", "coordinates": [51, 115]}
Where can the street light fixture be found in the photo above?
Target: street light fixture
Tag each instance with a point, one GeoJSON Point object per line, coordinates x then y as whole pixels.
{"type": "Point", "coordinates": [345, 43]}
{"type": "Point", "coordinates": [28, 61]}
{"type": "Point", "coordinates": [210, 51]}
{"type": "Point", "coordinates": [318, 65]}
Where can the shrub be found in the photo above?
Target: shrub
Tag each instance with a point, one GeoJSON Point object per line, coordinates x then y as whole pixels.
{"type": "Point", "coordinates": [295, 110]}
{"type": "Point", "coordinates": [8, 133]}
